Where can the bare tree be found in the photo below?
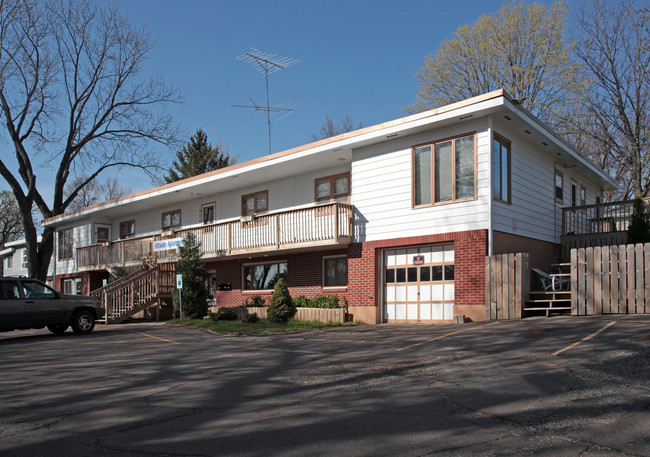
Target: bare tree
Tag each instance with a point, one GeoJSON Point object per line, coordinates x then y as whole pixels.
{"type": "Point", "coordinates": [522, 48]}
{"type": "Point", "coordinates": [330, 128]}
{"type": "Point", "coordinates": [11, 224]}
{"type": "Point", "coordinates": [94, 192]}
{"type": "Point", "coordinates": [614, 46]}
{"type": "Point", "coordinates": [72, 97]}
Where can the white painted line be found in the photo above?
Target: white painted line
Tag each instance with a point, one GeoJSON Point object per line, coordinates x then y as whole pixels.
{"type": "Point", "coordinates": [587, 338]}
{"type": "Point", "coordinates": [446, 335]}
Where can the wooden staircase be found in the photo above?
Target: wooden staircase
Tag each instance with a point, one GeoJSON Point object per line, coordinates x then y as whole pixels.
{"type": "Point", "coordinates": [555, 300]}
{"type": "Point", "coordinates": [131, 294]}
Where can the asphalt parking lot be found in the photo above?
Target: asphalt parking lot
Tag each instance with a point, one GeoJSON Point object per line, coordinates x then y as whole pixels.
{"type": "Point", "coordinates": [560, 386]}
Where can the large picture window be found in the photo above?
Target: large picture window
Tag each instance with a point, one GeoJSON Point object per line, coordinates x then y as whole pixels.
{"type": "Point", "coordinates": [333, 189]}
{"type": "Point", "coordinates": [263, 276]}
{"type": "Point", "coordinates": [501, 169]}
{"type": "Point", "coordinates": [64, 246]}
{"type": "Point", "coordinates": [444, 171]}
{"type": "Point", "coordinates": [171, 220]}
{"type": "Point", "coordinates": [255, 204]}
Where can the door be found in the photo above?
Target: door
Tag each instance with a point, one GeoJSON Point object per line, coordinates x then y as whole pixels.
{"type": "Point", "coordinates": [42, 304]}
{"type": "Point", "coordinates": [419, 284]}
{"type": "Point", "coordinates": [12, 308]}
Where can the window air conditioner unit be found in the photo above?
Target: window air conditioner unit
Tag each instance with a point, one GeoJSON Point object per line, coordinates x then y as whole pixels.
{"type": "Point", "coordinates": [249, 218]}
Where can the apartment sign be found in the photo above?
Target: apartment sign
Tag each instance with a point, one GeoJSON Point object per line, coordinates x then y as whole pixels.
{"type": "Point", "coordinates": [166, 245]}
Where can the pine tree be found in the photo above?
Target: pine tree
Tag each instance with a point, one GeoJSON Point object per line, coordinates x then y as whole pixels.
{"type": "Point", "coordinates": [198, 157]}
{"type": "Point", "coordinates": [639, 229]}
{"type": "Point", "coordinates": [194, 294]}
{"type": "Point", "coordinates": [282, 308]}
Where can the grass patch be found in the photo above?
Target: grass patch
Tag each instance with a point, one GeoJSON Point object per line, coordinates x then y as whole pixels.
{"type": "Point", "coordinates": [256, 328]}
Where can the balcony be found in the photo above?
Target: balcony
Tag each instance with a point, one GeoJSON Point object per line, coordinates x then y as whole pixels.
{"type": "Point", "coordinates": [319, 226]}
{"type": "Point", "coordinates": [605, 224]}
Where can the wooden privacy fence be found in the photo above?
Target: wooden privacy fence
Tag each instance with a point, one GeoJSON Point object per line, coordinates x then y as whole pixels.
{"type": "Point", "coordinates": [507, 279]}
{"type": "Point", "coordinates": [610, 280]}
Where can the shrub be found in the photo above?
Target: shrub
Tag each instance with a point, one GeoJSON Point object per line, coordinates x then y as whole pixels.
{"type": "Point", "coordinates": [301, 301]}
{"type": "Point", "coordinates": [255, 301]}
{"type": "Point", "coordinates": [324, 301]}
{"type": "Point", "coordinates": [224, 314]}
{"type": "Point", "coordinates": [250, 318]}
{"type": "Point", "coordinates": [281, 308]}
{"type": "Point", "coordinates": [639, 228]}
{"type": "Point", "coordinates": [194, 294]}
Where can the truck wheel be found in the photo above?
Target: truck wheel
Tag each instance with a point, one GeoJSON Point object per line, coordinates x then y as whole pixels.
{"type": "Point", "coordinates": [58, 329]}
{"type": "Point", "coordinates": [83, 322]}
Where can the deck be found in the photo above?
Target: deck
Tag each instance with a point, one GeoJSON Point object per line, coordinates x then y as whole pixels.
{"type": "Point", "coordinates": [315, 227]}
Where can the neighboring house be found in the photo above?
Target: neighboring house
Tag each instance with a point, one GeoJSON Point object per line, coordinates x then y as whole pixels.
{"type": "Point", "coordinates": [397, 217]}
{"type": "Point", "coordinates": [14, 261]}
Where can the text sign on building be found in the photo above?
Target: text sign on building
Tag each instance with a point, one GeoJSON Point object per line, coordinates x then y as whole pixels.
{"type": "Point", "coordinates": [418, 260]}
{"type": "Point", "coordinates": [165, 245]}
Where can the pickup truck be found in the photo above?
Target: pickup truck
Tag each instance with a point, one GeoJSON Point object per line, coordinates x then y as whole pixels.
{"type": "Point", "coordinates": [28, 303]}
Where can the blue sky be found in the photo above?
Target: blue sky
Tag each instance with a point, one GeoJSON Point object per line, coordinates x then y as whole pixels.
{"type": "Point", "coordinates": [357, 58]}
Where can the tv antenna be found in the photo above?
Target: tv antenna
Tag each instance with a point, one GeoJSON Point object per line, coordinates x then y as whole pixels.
{"type": "Point", "coordinates": [267, 64]}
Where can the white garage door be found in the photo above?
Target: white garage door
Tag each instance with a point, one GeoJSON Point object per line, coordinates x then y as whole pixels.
{"type": "Point", "coordinates": [419, 284]}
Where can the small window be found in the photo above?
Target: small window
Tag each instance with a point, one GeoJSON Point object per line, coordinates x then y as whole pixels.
{"type": "Point", "coordinates": [102, 234]}
{"type": "Point", "coordinates": [24, 264]}
{"type": "Point", "coordinates": [263, 276]}
{"type": "Point", "coordinates": [9, 262]}
{"type": "Point", "coordinates": [333, 189]}
{"type": "Point", "coordinates": [127, 230]}
{"type": "Point", "coordinates": [583, 195]}
{"type": "Point", "coordinates": [64, 246]}
{"type": "Point", "coordinates": [171, 220]}
{"type": "Point", "coordinates": [501, 169]}
{"type": "Point", "coordinates": [255, 204]}
{"type": "Point", "coordinates": [336, 271]}
{"type": "Point", "coordinates": [559, 186]}
{"type": "Point", "coordinates": [207, 213]}
{"type": "Point", "coordinates": [574, 193]}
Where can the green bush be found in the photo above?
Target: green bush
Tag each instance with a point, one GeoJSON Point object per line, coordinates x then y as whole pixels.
{"type": "Point", "coordinates": [224, 314]}
{"type": "Point", "coordinates": [282, 308]}
{"type": "Point", "coordinates": [255, 301]}
{"type": "Point", "coordinates": [250, 318]}
{"type": "Point", "coordinates": [194, 294]}
{"type": "Point", "coordinates": [301, 301]}
{"type": "Point", "coordinates": [324, 301]}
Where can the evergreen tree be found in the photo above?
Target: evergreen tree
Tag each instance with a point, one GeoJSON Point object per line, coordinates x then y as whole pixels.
{"type": "Point", "coordinates": [194, 294]}
{"type": "Point", "coordinates": [639, 228]}
{"type": "Point", "coordinates": [198, 157]}
{"type": "Point", "coordinates": [282, 308]}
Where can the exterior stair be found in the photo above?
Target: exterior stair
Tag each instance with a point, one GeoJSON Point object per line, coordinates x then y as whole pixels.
{"type": "Point", "coordinates": [130, 295]}
{"type": "Point", "coordinates": [548, 302]}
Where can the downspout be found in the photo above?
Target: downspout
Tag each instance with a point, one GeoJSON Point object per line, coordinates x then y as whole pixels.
{"type": "Point", "coordinates": [490, 184]}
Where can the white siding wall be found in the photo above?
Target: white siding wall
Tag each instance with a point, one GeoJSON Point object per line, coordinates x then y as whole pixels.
{"type": "Point", "coordinates": [381, 190]}
{"type": "Point", "coordinates": [533, 211]}
{"type": "Point", "coordinates": [82, 235]}
{"type": "Point", "coordinates": [17, 266]}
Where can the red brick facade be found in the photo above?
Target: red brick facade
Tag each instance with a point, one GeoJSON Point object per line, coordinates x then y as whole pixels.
{"type": "Point", "coordinates": [305, 272]}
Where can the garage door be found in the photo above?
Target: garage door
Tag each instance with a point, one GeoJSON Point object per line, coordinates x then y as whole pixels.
{"type": "Point", "coordinates": [419, 284]}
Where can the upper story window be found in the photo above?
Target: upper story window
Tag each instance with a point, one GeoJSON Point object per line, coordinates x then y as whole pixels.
{"type": "Point", "coordinates": [583, 195]}
{"type": "Point", "coordinates": [501, 169]}
{"type": "Point", "coordinates": [24, 263]}
{"type": "Point", "coordinates": [574, 193]}
{"type": "Point", "coordinates": [103, 234]}
{"type": "Point", "coordinates": [127, 229]}
{"type": "Point", "coordinates": [207, 213]}
{"type": "Point", "coordinates": [333, 189]}
{"type": "Point", "coordinates": [171, 219]}
{"type": "Point", "coordinates": [444, 171]}
{"type": "Point", "coordinates": [64, 244]}
{"type": "Point", "coordinates": [9, 261]}
{"type": "Point", "coordinates": [559, 186]}
{"type": "Point", "coordinates": [255, 204]}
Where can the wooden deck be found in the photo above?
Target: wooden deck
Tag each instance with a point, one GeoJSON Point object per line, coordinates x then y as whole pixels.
{"type": "Point", "coordinates": [323, 225]}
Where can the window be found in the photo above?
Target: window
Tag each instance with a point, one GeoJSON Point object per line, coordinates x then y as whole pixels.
{"type": "Point", "coordinates": [9, 290]}
{"type": "Point", "coordinates": [9, 262]}
{"type": "Point", "coordinates": [333, 189]}
{"type": "Point", "coordinates": [127, 229]}
{"type": "Point", "coordinates": [256, 203]}
{"type": "Point", "coordinates": [263, 276]}
{"type": "Point", "coordinates": [171, 219]}
{"type": "Point", "coordinates": [24, 264]}
{"type": "Point", "coordinates": [559, 186]}
{"type": "Point", "coordinates": [335, 271]}
{"type": "Point", "coordinates": [583, 195]}
{"type": "Point", "coordinates": [33, 289]}
{"type": "Point", "coordinates": [64, 246]}
{"type": "Point", "coordinates": [102, 234]}
{"type": "Point", "coordinates": [574, 193]}
{"type": "Point", "coordinates": [501, 169]}
{"type": "Point", "coordinates": [72, 286]}
{"type": "Point", "coordinates": [207, 213]}
{"type": "Point", "coordinates": [444, 171]}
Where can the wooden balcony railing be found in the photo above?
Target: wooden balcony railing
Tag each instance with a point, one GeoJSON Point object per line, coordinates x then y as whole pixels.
{"type": "Point", "coordinates": [605, 224]}
{"type": "Point", "coordinates": [320, 225]}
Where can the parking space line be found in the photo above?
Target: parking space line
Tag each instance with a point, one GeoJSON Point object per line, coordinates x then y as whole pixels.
{"type": "Point", "coordinates": [445, 335]}
{"type": "Point", "coordinates": [587, 338]}
{"type": "Point", "coordinates": [157, 338]}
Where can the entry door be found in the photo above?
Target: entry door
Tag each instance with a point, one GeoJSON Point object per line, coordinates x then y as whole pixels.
{"type": "Point", "coordinates": [419, 283]}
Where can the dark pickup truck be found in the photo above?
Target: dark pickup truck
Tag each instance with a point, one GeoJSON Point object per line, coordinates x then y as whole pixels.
{"type": "Point", "coordinates": [28, 303]}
